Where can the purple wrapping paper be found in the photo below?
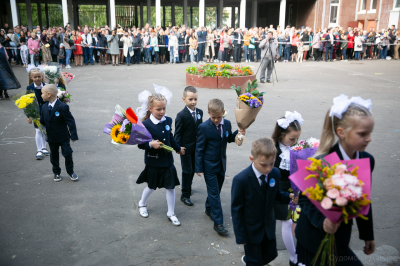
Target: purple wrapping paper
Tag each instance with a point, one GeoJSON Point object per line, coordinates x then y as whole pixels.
{"type": "Point", "coordinates": [302, 155]}
{"type": "Point", "coordinates": [139, 134]}
{"type": "Point", "coordinates": [107, 128]}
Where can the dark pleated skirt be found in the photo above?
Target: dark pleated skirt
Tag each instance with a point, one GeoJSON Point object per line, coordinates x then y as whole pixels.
{"type": "Point", "coordinates": [162, 50]}
{"type": "Point", "coordinates": [159, 177]}
{"type": "Point", "coordinates": [345, 257]}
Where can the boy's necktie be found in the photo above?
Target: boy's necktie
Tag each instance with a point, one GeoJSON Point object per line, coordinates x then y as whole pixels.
{"type": "Point", "coordinates": [220, 129]}
{"type": "Point", "coordinates": [194, 116]}
{"type": "Point", "coordinates": [263, 184]}
{"type": "Point", "coordinates": [50, 108]}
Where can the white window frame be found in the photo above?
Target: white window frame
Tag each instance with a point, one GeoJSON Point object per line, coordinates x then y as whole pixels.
{"type": "Point", "coordinates": [338, 12]}
{"type": "Point", "coordinates": [363, 11]}
{"type": "Point", "coordinates": [394, 6]}
{"type": "Point", "coordinates": [373, 10]}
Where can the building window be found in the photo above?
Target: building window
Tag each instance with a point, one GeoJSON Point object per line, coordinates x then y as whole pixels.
{"type": "Point", "coordinates": [333, 15]}
{"type": "Point", "coordinates": [373, 4]}
{"type": "Point", "coordinates": [397, 5]}
{"type": "Point", "coordinates": [363, 5]}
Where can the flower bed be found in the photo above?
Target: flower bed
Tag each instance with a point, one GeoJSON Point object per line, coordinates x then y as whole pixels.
{"type": "Point", "coordinates": [218, 76]}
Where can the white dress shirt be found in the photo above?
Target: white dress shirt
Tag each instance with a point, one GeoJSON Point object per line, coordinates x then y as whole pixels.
{"type": "Point", "coordinates": [53, 103]}
{"type": "Point", "coordinates": [285, 157]}
{"type": "Point", "coordinates": [222, 127]}
{"type": "Point", "coordinates": [258, 175]}
{"type": "Point", "coordinates": [344, 154]}
{"type": "Point", "coordinates": [38, 87]}
{"type": "Point", "coordinates": [155, 120]}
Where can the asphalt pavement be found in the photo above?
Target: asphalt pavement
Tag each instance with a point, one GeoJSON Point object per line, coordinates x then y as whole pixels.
{"type": "Point", "coordinates": [95, 221]}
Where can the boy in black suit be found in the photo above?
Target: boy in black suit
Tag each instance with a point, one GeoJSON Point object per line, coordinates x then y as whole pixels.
{"type": "Point", "coordinates": [212, 139]}
{"type": "Point", "coordinates": [186, 124]}
{"type": "Point", "coordinates": [60, 128]}
{"type": "Point", "coordinates": [254, 192]}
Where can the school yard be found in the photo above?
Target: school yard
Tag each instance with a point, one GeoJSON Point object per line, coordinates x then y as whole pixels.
{"type": "Point", "coordinates": [95, 221]}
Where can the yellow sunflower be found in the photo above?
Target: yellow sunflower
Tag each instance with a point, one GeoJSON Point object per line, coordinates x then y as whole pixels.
{"type": "Point", "coordinates": [115, 131]}
{"type": "Point", "coordinates": [123, 138]}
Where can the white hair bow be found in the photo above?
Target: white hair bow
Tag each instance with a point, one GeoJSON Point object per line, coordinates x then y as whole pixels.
{"type": "Point", "coordinates": [289, 118]}
{"type": "Point", "coordinates": [31, 66]}
{"type": "Point", "coordinates": [144, 98]}
{"type": "Point", "coordinates": [342, 102]}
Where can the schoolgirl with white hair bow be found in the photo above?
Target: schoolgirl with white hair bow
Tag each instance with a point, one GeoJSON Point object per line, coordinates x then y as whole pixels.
{"type": "Point", "coordinates": [347, 131]}
{"type": "Point", "coordinates": [160, 171]}
{"type": "Point", "coordinates": [287, 132]}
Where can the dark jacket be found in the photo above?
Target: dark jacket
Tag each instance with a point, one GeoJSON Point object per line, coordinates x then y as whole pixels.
{"type": "Point", "coordinates": [54, 45]}
{"type": "Point", "coordinates": [38, 94]}
{"type": "Point", "coordinates": [137, 41]}
{"type": "Point", "coordinates": [201, 36]}
{"type": "Point", "coordinates": [309, 229]}
{"type": "Point", "coordinates": [163, 133]}
{"type": "Point", "coordinates": [252, 210]}
{"type": "Point", "coordinates": [211, 148]}
{"type": "Point", "coordinates": [328, 41]}
{"type": "Point", "coordinates": [186, 129]}
{"type": "Point", "coordinates": [60, 124]}
{"type": "Point", "coordinates": [235, 40]}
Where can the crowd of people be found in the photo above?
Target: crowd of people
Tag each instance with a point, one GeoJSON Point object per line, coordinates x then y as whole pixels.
{"type": "Point", "coordinates": [179, 44]}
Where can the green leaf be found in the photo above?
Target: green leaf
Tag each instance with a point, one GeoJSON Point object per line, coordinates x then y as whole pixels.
{"type": "Point", "coordinates": [255, 93]}
{"type": "Point", "coordinates": [261, 94]}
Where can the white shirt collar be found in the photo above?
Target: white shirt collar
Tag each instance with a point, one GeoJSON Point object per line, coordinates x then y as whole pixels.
{"type": "Point", "coordinates": [344, 154]}
{"type": "Point", "coordinates": [285, 157]}
{"type": "Point", "coordinates": [191, 111]}
{"type": "Point", "coordinates": [258, 174]}
{"type": "Point", "coordinates": [38, 87]}
{"type": "Point", "coordinates": [222, 122]}
{"type": "Point", "coordinates": [155, 120]}
{"type": "Point", "coordinates": [53, 103]}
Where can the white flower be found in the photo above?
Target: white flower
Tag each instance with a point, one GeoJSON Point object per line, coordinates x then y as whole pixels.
{"type": "Point", "coordinates": [53, 69]}
{"type": "Point", "coordinates": [46, 69]}
{"type": "Point", "coordinates": [60, 93]}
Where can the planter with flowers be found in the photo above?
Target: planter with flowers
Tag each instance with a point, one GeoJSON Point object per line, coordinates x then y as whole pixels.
{"type": "Point", "coordinates": [218, 76]}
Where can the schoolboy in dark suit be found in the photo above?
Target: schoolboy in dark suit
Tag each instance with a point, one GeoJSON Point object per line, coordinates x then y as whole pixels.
{"type": "Point", "coordinates": [254, 192]}
{"type": "Point", "coordinates": [60, 128]}
{"type": "Point", "coordinates": [186, 124]}
{"type": "Point", "coordinates": [212, 139]}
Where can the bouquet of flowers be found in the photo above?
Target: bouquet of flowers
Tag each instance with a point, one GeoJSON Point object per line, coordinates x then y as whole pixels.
{"type": "Point", "coordinates": [52, 73]}
{"type": "Point", "coordinates": [68, 77]}
{"type": "Point", "coordinates": [64, 96]}
{"type": "Point", "coordinates": [29, 104]}
{"type": "Point", "coordinates": [339, 189]}
{"type": "Point", "coordinates": [126, 128]}
{"type": "Point", "coordinates": [248, 103]}
{"type": "Point", "coordinates": [301, 150]}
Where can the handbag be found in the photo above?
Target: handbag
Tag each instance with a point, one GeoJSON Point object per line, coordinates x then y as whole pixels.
{"type": "Point", "coordinates": [73, 47]}
{"type": "Point", "coordinates": [306, 47]}
{"type": "Point", "coordinates": [36, 57]}
{"type": "Point", "coordinates": [195, 52]}
{"type": "Point", "coordinates": [71, 42]}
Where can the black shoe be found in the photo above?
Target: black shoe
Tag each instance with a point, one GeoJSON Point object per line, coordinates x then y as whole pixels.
{"type": "Point", "coordinates": [209, 215]}
{"type": "Point", "coordinates": [74, 177]}
{"type": "Point", "coordinates": [221, 230]}
{"type": "Point", "coordinates": [262, 81]}
{"type": "Point", "coordinates": [57, 178]}
{"type": "Point", "coordinates": [291, 263]}
{"type": "Point", "coordinates": [269, 81]}
{"type": "Point", "coordinates": [6, 95]}
{"type": "Point", "coordinates": [187, 201]}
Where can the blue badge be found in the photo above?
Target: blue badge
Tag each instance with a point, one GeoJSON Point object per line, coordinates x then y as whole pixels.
{"type": "Point", "coordinates": [227, 134]}
{"type": "Point", "coordinates": [272, 182]}
{"type": "Point", "coordinates": [198, 116]}
{"type": "Point", "coordinates": [167, 127]}
{"type": "Point", "coordinates": [57, 113]}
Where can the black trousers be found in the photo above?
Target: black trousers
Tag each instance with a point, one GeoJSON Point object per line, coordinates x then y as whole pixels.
{"type": "Point", "coordinates": [317, 55]}
{"type": "Point", "coordinates": [237, 53]}
{"type": "Point", "coordinates": [66, 151]}
{"type": "Point", "coordinates": [54, 58]}
{"type": "Point", "coordinates": [225, 54]}
{"type": "Point", "coordinates": [187, 163]}
{"type": "Point", "coordinates": [262, 253]}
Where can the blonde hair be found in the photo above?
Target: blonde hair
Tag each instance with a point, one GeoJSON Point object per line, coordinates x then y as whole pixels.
{"type": "Point", "coordinates": [35, 71]}
{"type": "Point", "coordinates": [215, 105]}
{"type": "Point", "coordinates": [152, 98]}
{"type": "Point", "coordinates": [263, 147]}
{"type": "Point", "coordinates": [328, 136]}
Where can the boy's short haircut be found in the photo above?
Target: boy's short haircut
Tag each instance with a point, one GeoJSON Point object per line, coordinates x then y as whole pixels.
{"type": "Point", "coordinates": [51, 88]}
{"type": "Point", "coordinates": [215, 106]}
{"type": "Point", "coordinates": [263, 147]}
{"type": "Point", "coordinates": [189, 88]}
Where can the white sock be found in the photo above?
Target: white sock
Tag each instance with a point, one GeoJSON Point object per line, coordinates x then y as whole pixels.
{"type": "Point", "coordinates": [145, 196]}
{"type": "Point", "coordinates": [43, 139]}
{"type": "Point", "coordinates": [170, 195]}
{"type": "Point", "coordinates": [288, 239]}
{"type": "Point", "coordinates": [38, 138]}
